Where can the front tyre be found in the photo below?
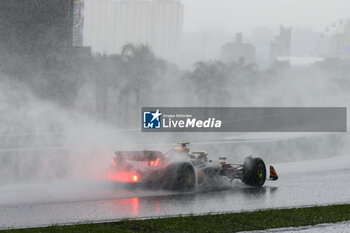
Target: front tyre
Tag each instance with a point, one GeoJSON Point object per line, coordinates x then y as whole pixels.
{"type": "Point", "coordinates": [254, 172]}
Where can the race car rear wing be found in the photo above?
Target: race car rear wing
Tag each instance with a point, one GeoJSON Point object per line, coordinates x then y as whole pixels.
{"type": "Point", "coordinates": [139, 155]}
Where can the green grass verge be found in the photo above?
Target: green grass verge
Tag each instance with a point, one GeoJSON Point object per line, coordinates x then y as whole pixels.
{"type": "Point", "coordinates": [257, 220]}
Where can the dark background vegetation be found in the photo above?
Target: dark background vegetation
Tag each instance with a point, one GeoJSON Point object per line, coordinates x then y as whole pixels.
{"type": "Point", "coordinates": [114, 88]}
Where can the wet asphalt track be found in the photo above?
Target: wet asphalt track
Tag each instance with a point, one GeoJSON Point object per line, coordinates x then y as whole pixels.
{"type": "Point", "coordinates": [301, 184]}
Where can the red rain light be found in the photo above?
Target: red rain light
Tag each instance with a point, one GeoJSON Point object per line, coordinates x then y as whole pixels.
{"type": "Point", "coordinates": [126, 177]}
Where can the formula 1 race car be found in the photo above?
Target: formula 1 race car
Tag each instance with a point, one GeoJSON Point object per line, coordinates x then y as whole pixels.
{"type": "Point", "coordinates": [182, 170]}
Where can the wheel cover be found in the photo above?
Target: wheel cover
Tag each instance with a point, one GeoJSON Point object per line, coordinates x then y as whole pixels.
{"type": "Point", "coordinates": [260, 172]}
{"type": "Point", "coordinates": [190, 178]}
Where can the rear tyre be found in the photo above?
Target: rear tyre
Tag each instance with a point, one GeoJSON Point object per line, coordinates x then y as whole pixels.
{"type": "Point", "coordinates": [254, 172]}
{"type": "Point", "coordinates": [183, 175]}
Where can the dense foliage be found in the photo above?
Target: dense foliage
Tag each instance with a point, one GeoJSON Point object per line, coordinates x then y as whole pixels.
{"type": "Point", "coordinates": [107, 86]}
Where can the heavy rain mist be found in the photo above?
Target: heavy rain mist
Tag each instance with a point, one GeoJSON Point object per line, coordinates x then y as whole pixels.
{"type": "Point", "coordinates": [65, 109]}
